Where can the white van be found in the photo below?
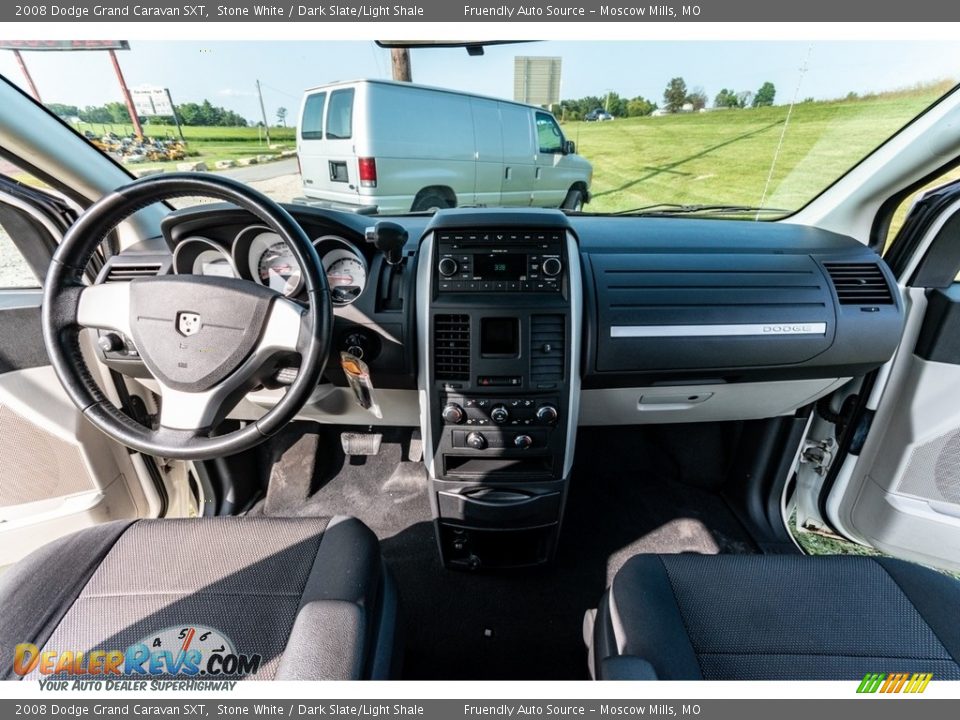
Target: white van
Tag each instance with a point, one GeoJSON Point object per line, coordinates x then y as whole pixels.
{"type": "Point", "coordinates": [397, 147]}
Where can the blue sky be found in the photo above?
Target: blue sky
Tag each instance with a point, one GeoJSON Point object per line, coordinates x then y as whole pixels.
{"type": "Point", "coordinates": [224, 72]}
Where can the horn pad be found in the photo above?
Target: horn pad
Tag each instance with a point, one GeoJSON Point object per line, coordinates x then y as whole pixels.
{"type": "Point", "coordinates": [192, 332]}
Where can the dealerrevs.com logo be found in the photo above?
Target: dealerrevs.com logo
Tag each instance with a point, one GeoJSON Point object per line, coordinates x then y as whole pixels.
{"type": "Point", "coordinates": [189, 652]}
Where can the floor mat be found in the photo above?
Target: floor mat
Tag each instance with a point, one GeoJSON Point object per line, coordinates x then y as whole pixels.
{"type": "Point", "coordinates": [628, 494]}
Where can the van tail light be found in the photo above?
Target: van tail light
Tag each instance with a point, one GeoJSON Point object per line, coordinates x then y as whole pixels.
{"type": "Point", "coordinates": [368, 172]}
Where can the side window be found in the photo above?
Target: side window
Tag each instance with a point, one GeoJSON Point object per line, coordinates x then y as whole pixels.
{"type": "Point", "coordinates": [903, 210]}
{"type": "Point", "coordinates": [549, 136]}
{"type": "Point", "coordinates": [340, 115]}
{"type": "Point", "coordinates": [311, 126]}
{"type": "Point", "coordinates": [15, 273]}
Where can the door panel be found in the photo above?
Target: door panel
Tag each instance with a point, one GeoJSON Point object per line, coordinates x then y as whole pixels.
{"type": "Point", "coordinates": [518, 156]}
{"type": "Point", "coordinates": [57, 472]}
{"type": "Point", "coordinates": [552, 181]}
{"type": "Point", "coordinates": [900, 492]}
{"type": "Point", "coordinates": [489, 152]}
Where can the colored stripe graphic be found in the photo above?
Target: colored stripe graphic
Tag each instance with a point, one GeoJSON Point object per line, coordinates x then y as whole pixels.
{"type": "Point", "coordinates": [894, 683]}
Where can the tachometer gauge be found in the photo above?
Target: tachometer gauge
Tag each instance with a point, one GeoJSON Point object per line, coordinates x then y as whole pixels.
{"type": "Point", "coordinates": [346, 277]}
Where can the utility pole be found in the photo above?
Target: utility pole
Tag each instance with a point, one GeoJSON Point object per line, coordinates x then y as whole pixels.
{"type": "Point", "coordinates": [400, 62]}
{"type": "Point", "coordinates": [134, 118]}
{"type": "Point", "coordinates": [263, 113]}
{"type": "Point", "coordinates": [26, 74]}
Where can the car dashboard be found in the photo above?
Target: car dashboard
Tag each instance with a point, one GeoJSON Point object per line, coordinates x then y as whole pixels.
{"type": "Point", "coordinates": [500, 332]}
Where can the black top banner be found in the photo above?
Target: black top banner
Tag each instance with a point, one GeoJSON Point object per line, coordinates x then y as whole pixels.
{"type": "Point", "coordinates": [481, 11]}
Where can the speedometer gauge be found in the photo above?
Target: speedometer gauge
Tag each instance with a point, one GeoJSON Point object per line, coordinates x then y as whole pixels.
{"type": "Point", "coordinates": [268, 260]}
{"type": "Point", "coordinates": [277, 268]}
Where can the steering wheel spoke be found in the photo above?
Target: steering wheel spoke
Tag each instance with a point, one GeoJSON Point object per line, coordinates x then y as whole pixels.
{"type": "Point", "coordinates": [105, 307]}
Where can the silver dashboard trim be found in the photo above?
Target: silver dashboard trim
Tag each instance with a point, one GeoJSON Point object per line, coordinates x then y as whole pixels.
{"type": "Point", "coordinates": [737, 330]}
{"type": "Point", "coordinates": [574, 262]}
{"type": "Point", "coordinates": [425, 361]}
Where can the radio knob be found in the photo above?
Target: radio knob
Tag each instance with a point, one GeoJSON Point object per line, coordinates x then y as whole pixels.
{"type": "Point", "coordinates": [552, 266]}
{"type": "Point", "coordinates": [499, 414]}
{"type": "Point", "coordinates": [523, 441]}
{"type": "Point", "coordinates": [477, 441]}
{"type": "Point", "coordinates": [448, 266]}
{"type": "Point", "coordinates": [453, 414]}
{"type": "Point", "coordinates": [547, 414]}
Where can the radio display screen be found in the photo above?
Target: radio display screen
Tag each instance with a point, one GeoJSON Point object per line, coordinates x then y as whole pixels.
{"type": "Point", "coordinates": [500, 266]}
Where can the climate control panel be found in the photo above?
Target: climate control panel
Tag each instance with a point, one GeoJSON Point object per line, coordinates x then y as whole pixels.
{"type": "Point", "coordinates": [510, 412]}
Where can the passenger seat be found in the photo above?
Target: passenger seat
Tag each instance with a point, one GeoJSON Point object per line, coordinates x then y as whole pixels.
{"type": "Point", "coordinates": [774, 617]}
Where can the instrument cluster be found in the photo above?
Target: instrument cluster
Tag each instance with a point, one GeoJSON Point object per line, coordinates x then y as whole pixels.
{"type": "Point", "coordinates": [258, 254]}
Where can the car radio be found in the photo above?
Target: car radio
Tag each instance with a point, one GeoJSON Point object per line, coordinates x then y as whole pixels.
{"type": "Point", "coordinates": [500, 261]}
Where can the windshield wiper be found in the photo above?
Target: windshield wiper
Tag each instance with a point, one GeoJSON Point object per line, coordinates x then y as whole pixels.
{"type": "Point", "coordinates": [667, 209]}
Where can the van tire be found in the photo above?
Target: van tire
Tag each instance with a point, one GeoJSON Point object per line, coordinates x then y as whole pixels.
{"type": "Point", "coordinates": [573, 200]}
{"type": "Point", "coordinates": [432, 199]}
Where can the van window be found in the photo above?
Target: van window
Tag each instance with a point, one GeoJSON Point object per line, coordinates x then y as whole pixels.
{"type": "Point", "coordinates": [311, 127]}
{"type": "Point", "coordinates": [549, 136]}
{"type": "Point", "coordinates": [340, 115]}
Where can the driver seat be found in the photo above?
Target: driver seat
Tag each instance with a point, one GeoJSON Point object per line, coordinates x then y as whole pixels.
{"type": "Point", "coordinates": [311, 596]}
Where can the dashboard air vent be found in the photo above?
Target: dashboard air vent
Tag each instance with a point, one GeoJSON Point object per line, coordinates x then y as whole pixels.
{"type": "Point", "coordinates": [859, 283]}
{"type": "Point", "coordinates": [547, 344]}
{"type": "Point", "coordinates": [451, 347]}
{"type": "Point", "coordinates": [123, 272]}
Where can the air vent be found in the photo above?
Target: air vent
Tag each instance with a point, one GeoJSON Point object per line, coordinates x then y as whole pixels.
{"type": "Point", "coordinates": [122, 272]}
{"type": "Point", "coordinates": [451, 347]}
{"type": "Point", "coordinates": [859, 283]}
{"type": "Point", "coordinates": [547, 344]}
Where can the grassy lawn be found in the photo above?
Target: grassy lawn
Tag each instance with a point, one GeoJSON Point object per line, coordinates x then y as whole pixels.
{"type": "Point", "coordinates": [725, 156]}
{"type": "Point", "coordinates": [814, 543]}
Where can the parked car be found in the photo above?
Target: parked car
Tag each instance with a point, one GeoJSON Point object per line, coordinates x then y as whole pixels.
{"type": "Point", "coordinates": [400, 147]}
{"type": "Point", "coordinates": [598, 115]}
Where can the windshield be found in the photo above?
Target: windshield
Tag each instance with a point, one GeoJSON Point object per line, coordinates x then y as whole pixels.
{"type": "Point", "coordinates": [719, 129]}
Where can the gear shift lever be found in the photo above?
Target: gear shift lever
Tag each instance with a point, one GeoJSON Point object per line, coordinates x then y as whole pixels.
{"type": "Point", "coordinates": [389, 238]}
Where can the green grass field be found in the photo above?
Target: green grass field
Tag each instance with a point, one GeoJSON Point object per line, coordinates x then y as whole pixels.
{"type": "Point", "coordinates": [725, 156]}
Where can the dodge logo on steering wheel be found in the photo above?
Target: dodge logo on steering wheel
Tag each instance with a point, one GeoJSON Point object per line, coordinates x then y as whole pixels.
{"type": "Point", "coordinates": [188, 323]}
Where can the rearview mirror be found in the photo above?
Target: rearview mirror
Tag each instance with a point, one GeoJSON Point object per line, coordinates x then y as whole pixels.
{"type": "Point", "coordinates": [569, 147]}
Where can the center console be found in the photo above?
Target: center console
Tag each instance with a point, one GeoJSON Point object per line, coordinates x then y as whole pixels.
{"type": "Point", "coordinates": [499, 307]}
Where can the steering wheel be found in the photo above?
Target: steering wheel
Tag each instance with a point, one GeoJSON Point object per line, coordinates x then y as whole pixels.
{"type": "Point", "coordinates": [205, 340]}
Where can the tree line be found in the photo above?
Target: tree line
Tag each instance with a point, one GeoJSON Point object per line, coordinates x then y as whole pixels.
{"type": "Point", "coordinates": [677, 97]}
{"type": "Point", "coordinates": [201, 114]}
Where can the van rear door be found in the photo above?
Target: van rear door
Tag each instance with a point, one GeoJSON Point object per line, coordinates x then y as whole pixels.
{"type": "Point", "coordinates": [328, 162]}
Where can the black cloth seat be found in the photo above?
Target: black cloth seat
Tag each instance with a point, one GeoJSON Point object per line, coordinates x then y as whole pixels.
{"type": "Point", "coordinates": [775, 617]}
{"type": "Point", "coordinates": [311, 596]}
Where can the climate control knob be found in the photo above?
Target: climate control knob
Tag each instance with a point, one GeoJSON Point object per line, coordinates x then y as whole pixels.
{"type": "Point", "coordinates": [477, 441]}
{"type": "Point", "coordinates": [499, 414]}
{"type": "Point", "coordinates": [453, 414]}
{"type": "Point", "coordinates": [547, 414]}
{"type": "Point", "coordinates": [448, 266]}
{"type": "Point", "coordinates": [523, 441]}
{"type": "Point", "coordinates": [552, 266]}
